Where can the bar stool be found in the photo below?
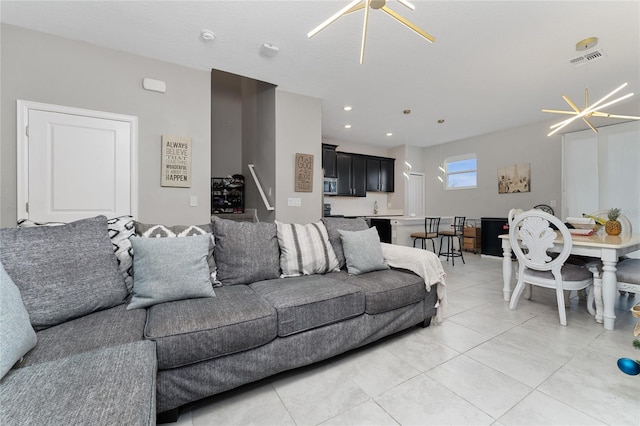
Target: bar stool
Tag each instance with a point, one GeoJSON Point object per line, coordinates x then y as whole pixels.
{"type": "Point", "coordinates": [456, 231]}
{"type": "Point", "coordinates": [431, 228]}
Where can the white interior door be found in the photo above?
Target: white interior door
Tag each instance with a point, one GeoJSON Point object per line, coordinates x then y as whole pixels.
{"type": "Point", "coordinates": [415, 195]}
{"type": "Point", "coordinates": [76, 164]}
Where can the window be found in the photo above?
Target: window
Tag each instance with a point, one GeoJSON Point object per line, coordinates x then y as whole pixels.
{"type": "Point", "coordinates": [461, 172]}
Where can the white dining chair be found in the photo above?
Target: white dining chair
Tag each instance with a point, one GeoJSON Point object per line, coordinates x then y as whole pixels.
{"type": "Point", "coordinates": [531, 236]}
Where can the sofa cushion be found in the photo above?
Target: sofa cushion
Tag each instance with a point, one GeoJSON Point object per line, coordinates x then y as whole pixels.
{"type": "Point", "coordinates": [164, 231]}
{"type": "Point", "coordinates": [110, 327]}
{"type": "Point", "coordinates": [63, 272]}
{"type": "Point", "coordinates": [17, 336]}
{"type": "Point", "coordinates": [168, 269]}
{"type": "Point", "coordinates": [245, 252]}
{"type": "Point", "coordinates": [362, 251]}
{"type": "Point", "coordinates": [386, 290]}
{"type": "Point", "coordinates": [305, 249]}
{"type": "Point", "coordinates": [120, 229]}
{"type": "Point", "coordinates": [112, 386]}
{"type": "Point", "coordinates": [312, 301]}
{"type": "Point", "coordinates": [190, 331]}
{"type": "Point", "coordinates": [333, 224]}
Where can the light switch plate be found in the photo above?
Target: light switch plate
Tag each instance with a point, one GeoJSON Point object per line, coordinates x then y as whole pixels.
{"type": "Point", "coordinates": [294, 202]}
{"type": "Point", "coordinates": [193, 201]}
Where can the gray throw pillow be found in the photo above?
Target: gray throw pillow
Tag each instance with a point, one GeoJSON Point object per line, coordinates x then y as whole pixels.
{"type": "Point", "coordinates": [63, 272]}
{"type": "Point", "coordinates": [120, 229]}
{"type": "Point", "coordinates": [168, 269]}
{"type": "Point", "coordinates": [362, 251]}
{"type": "Point", "coordinates": [165, 231]}
{"type": "Point", "coordinates": [16, 334]}
{"type": "Point", "coordinates": [245, 252]}
{"type": "Point", "coordinates": [334, 224]}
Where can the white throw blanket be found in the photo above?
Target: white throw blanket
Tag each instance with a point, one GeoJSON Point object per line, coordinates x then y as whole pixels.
{"type": "Point", "coordinates": [423, 263]}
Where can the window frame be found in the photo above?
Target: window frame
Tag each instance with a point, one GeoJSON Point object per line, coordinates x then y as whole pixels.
{"type": "Point", "coordinates": [454, 159]}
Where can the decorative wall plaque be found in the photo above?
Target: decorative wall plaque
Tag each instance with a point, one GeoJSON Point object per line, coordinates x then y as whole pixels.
{"type": "Point", "coordinates": [304, 173]}
{"type": "Point", "coordinates": [514, 178]}
{"type": "Point", "coordinates": [176, 161]}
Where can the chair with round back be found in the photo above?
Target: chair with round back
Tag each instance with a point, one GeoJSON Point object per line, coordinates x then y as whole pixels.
{"type": "Point", "coordinates": [431, 232]}
{"type": "Point", "coordinates": [457, 230]}
{"type": "Point", "coordinates": [532, 230]}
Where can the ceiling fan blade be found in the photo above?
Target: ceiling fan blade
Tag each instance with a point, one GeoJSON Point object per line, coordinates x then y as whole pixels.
{"type": "Point", "coordinates": [364, 29]}
{"type": "Point", "coordinates": [332, 19]}
{"type": "Point", "coordinates": [604, 114]}
{"type": "Point", "coordinates": [589, 124]}
{"type": "Point", "coordinates": [407, 4]}
{"type": "Point", "coordinates": [557, 111]}
{"type": "Point", "coordinates": [408, 24]}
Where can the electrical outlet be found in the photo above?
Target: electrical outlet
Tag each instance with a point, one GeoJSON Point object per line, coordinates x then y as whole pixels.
{"type": "Point", "coordinates": [552, 203]}
{"type": "Point", "coordinates": [294, 202]}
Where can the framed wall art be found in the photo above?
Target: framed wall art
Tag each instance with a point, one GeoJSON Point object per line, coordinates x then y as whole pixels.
{"type": "Point", "coordinates": [514, 178]}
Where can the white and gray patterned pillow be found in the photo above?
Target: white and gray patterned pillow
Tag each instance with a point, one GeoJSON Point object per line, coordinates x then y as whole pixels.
{"type": "Point", "coordinates": [305, 249]}
{"type": "Point", "coordinates": [164, 231]}
{"type": "Point", "coordinates": [120, 230]}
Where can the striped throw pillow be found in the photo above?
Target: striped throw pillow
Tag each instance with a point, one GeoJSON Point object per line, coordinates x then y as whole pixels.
{"type": "Point", "coordinates": [305, 249]}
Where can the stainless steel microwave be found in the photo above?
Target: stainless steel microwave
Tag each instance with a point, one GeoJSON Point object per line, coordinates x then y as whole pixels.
{"type": "Point", "coordinates": [330, 186]}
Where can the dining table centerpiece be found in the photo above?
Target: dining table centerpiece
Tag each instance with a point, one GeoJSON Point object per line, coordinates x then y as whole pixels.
{"type": "Point", "coordinates": [613, 225]}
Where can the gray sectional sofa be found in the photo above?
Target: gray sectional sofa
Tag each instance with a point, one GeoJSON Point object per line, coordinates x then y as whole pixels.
{"type": "Point", "coordinates": [102, 363]}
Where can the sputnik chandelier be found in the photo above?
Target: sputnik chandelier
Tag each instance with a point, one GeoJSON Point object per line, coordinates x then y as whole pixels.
{"type": "Point", "coordinates": [589, 111]}
{"type": "Point", "coordinates": [356, 5]}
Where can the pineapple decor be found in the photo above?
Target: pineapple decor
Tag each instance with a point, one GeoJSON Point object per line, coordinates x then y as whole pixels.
{"type": "Point", "coordinates": [613, 226]}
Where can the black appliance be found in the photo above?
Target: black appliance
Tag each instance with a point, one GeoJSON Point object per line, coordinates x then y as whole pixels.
{"type": "Point", "coordinates": [490, 228]}
{"type": "Point", "coordinates": [384, 229]}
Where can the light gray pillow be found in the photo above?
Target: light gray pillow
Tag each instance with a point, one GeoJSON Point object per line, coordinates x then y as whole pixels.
{"type": "Point", "coordinates": [168, 269]}
{"type": "Point", "coordinates": [362, 251]}
{"type": "Point", "coordinates": [334, 224]}
{"type": "Point", "coordinates": [16, 334]}
{"type": "Point", "coordinates": [245, 252]}
{"type": "Point", "coordinates": [165, 231]}
{"type": "Point", "coordinates": [63, 272]}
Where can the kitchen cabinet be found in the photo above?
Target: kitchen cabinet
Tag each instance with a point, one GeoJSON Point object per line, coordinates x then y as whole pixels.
{"type": "Point", "coordinates": [380, 174]}
{"type": "Point", "coordinates": [329, 160]}
{"type": "Point", "coordinates": [351, 172]}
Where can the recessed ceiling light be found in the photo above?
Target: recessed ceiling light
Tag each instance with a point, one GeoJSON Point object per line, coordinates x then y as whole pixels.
{"type": "Point", "coordinates": [406, 111]}
{"type": "Point", "coordinates": [389, 134]}
{"type": "Point", "coordinates": [347, 126]}
{"type": "Point", "coordinates": [347, 108]}
{"type": "Point", "coordinates": [440, 121]}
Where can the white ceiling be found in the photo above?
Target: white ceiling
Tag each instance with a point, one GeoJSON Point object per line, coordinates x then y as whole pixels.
{"type": "Point", "coordinates": [494, 65]}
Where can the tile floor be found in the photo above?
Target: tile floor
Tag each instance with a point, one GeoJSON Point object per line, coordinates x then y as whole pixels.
{"type": "Point", "coordinates": [485, 365]}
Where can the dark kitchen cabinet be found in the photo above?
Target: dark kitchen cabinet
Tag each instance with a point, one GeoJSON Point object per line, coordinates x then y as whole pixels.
{"type": "Point", "coordinates": [329, 160]}
{"type": "Point", "coordinates": [380, 174]}
{"type": "Point", "coordinates": [351, 172]}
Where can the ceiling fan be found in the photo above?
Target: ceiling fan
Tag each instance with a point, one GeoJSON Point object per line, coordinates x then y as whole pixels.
{"type": "Point", "coordinates": [356, 5]}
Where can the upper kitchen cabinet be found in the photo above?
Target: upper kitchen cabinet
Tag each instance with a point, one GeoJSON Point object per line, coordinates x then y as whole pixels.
{"type": "Point", "coordinates": [380, 174]}
{"type": "Point", "coordinates": [351, 173]}
{"type": "Point", "coordinates": [329, 160]}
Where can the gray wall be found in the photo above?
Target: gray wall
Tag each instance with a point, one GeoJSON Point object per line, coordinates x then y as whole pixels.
{"type": "Point", "coordinates": [44, 68]}
{"type": "Point", "coordinates": [298, 130]}
{"type": "Point", "coordinates": [527, 144]}
{"type": "Point", "coordinates": [226, 124]}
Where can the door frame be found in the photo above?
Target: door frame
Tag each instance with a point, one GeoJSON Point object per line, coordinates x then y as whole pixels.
{"type": "Point", "coordinates": [23, 108]}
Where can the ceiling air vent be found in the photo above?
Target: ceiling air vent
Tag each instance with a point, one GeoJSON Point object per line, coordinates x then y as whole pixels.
{"type": "Point", "coordinates": [592, 56]}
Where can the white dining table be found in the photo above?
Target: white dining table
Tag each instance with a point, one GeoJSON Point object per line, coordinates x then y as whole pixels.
{"type": "Point", "coordinates": [607, 248]}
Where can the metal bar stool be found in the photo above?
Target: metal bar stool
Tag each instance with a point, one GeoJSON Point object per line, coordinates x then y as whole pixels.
{"type": "Point", "coordinates": [431, 228]}
{"type": "Point", "coordinates": [456, 231]}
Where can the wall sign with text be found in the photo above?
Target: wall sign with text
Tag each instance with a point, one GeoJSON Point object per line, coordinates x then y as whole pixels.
{"type": "Point", "coordinates": [176, 161]}
{"type": "Point", "coordinates": [304, 173]}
